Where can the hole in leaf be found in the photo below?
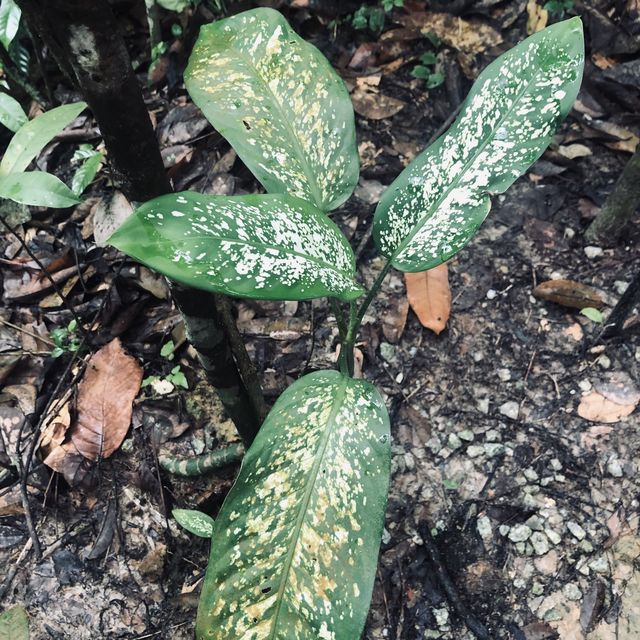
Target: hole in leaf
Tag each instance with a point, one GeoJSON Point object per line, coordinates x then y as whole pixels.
{"type": "Point", "coordinates": [247, 126]}
{"type": "Point", "coordinates": [265, 589]}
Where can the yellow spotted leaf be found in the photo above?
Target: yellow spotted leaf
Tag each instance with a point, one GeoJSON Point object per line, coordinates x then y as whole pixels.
{"type": "Point", "coordinates": [294, 548]}
{"type": "Point", "coordinates": [279, 103]}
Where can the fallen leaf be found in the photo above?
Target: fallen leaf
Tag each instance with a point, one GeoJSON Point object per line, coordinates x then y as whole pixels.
{"type": "Point", "coordinates": [364, 56]}
{"type": "Point", "coordinates": [592, 604]}
{"type": "Point", "coordinates": [466, 36]}
{"type": "Point", "coordinates": [618, 388]}
{"type": "Point", "coordinates": [602, 62]}
{"type": "Point", "coordinates": [626, 140]}
{"type": "Point", "coordinates": [375, 106]}
{"type": "Point", "coordinates": [111, 382]}
{"type": "Point", "coordinates": [38, 286]}
{"type": "Point", "coordinates": [394, 320]}
{"type": "Point", "coordinates": [596, 408]}
{"type": "Point", "coordinates": [569, 293]}
{"type": "Point", "coordinates": [572, 151]}
{"type": "Point", "coordinates": [574, 332]}
{"type": "Point", "coordinates": [537, 17]}
{"type": "Point", "coordinates": [430, 297]}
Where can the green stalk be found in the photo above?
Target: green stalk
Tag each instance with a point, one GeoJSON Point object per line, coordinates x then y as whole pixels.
{"type": "Point", "coordinates": [355, 319]}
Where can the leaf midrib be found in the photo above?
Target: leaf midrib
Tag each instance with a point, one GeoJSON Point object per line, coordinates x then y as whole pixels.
{"type": "Point", "coordinates": [339, 397]}
{"type": "Point", "coordinates": [403, 245]}
{"type": "Point", "coordinates": [313, 186]}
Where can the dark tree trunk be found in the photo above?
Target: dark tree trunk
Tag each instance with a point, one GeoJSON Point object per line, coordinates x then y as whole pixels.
{"type": "Point", "coordinates": [84, 38]}
{"type": "Point", "coordinates": [619, 206]}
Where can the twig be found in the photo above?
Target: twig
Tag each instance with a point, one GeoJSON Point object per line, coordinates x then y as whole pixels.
{"type": "Point", "coordinates": [472, 623]}
{"type": "Point", "coordinates": [27, 332]}
{"type": "Point", "coordinates": [11, 574]}
{"type": "Point", "coordinates": [246, 368]}
{"type": "Point", "coordinates": [45, 271]}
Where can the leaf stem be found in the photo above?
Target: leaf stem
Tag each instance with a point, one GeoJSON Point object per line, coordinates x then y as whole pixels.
{"type": "Point", "coordinates": [337, 312]}
{"type": "Point", "coordinates": [356, 314]}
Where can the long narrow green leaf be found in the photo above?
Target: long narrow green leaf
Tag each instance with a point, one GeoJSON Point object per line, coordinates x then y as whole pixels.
{"type": "Point", "coordinates": [35, 134]}
{"type": "Point", "coordinates": [273, 247]}
{"type": "Point", "coordinates": [11, 114]}
{"type": "Point", "coordinates": [294, 548]}
{"type": "Point", "coordinates": [9, 22]}
{"type": "Point", "coordinates": [436, 204]}
{"type": "Point", "coordinates": [37, 188]}
{"type": "Point", "coordinates": [280, 104]}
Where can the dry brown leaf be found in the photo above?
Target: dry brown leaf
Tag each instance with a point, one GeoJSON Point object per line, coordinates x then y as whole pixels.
{"type": "Point", "coordinates": [627, 140]}
{"type": "Point", "coordinates": [105, 396]}
{"type": "Point", "coordinates": [569, 293]}
{"type": "Point", "coordinates": [464, 35]}
{"type": "Point", "coordinates": [574, 332]}
{"type": "Point", "coordinates": [596, 408]}
{"type": "Point", "coordinates": [575, 150]}
{"type": "Point", "coordinates": [603, 62]}
{"type": "Point", "coordinates": [394, 320]}
{"type": "Point", "coordinates": [537, 17]}
{"type": "Point", "coordinates": [37, 287]}
{"type": "Point", "coordinates": [430, 297]}
{"type": "Point", "coordinates": [375, 106]}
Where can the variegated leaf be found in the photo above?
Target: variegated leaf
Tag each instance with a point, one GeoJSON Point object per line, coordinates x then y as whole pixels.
{"type": "Point", "coordinates": [278, 101]}
{"type": "Point", "coordinates": [294, 548]}
{"type": "Point", "coordinates": [270, 247]}
{"type": "Point", "coordinates": [194, 521]}
{"type": "Point", "coordinates": [436, 204]}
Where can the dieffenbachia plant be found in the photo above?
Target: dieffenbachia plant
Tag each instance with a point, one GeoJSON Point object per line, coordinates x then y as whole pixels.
{"type": "Point", "coordinates": [294, 547]}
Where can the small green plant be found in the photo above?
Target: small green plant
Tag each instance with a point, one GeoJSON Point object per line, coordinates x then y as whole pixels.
{"type": "Point", "coordinates": [163, 385]}
{"type": "Point", "coordinates": [426, 70]}
{"type": "Point", "coordinates": [558, 8]}
{"type": "Point", "coordinates": [595, 315]}
{"type": "Point", "coordinates": [294, 547]}
{"type": "Point", "coordinates": [65, 339]}
{"type": "Point", "coordinates": [36, 188]}
{"type": "Point", "coordinates": [373, 16]}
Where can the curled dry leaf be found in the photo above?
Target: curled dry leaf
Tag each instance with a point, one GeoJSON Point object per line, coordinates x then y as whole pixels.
{"type": "Point", "coordinates": [569, 293]}
{"type": "Point", "coordinates": [105, 396]}
{"type": "Point", "coordinates": [596, 408]}
{"type": "Point", "coordinates": [430, 297]}
{"type": "Point", "coordinates": [102, 418]}
{"type": "Point", "coordinates": [375, 106]}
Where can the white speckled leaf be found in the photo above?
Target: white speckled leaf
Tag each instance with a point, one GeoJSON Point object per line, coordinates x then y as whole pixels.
{"type": "Point", "coordinates": [279, 102]}
{"type": "Point", "coordinates": [436, 204]}
{"type": "Point", "coordinates": [194, 521]}
{"type": "Point", "coordinates": [295, 546]}
{"type": "Point", "coordinates": [270, 247]}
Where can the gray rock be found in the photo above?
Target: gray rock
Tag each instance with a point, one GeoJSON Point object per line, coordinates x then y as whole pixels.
{"type": "Point", "coordinates": [466, 435]}
{"type": "Point", "coordinates": [519, 533]}
{"type": "Point", "coordinates": [493, 449]}
{"type": "Point", "coordinates": [510, 409]}
{"type": "Point", "coordinates": [554, 537]}
{"type": "Point", "coordinates": [593, 252]}
{"type": "Point", "coordinates": [571, 591]}
{"type": "Point", "coordinates": [576, 530]}
{"type": "Point", "coordinates": [475, 450]}
{"type": "Point", "coordinates": [614, 468]}
{"type": "Point", "coordinates": [540, 543]}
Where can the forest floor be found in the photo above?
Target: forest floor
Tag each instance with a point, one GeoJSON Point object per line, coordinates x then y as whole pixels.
{"type": "Point", "coordinates": [515, 436]}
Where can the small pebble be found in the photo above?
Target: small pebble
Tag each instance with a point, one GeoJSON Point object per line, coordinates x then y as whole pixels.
{"type": "Point", "coordinates": [442, 616]}
{"type": "Point", "coordinates": [466, 435]}
{"type": "Point", "coordinates": [553, 536]}
{"type": "Point", "coordinates": [491, 294]}
{"type": "Point", "coordinates": [604, 361]}
{"type": "Point", "coordinates": [504, 374]}
{"type": "Point", "coordinates": [539, 543]}
{"type": "Point", "coordinates": [593, 252]}
{"type": "Point", "coordinates": [531, 474]}
{"type": "Point", "coordinates": [614, 468]}
{"type": "Point", "coordinates": [387, 351]}
{"type": "Point", "coordinates": [556, 465]}
{"type": "Point", "coordinates": [576, 530]}
{"type": "Point", "coordinates": [600, 565]}
{"type": "Point", "coordinates": [454, 441]}
{"type": "Point", "coordinates": [483, 405]}
{"type": "Point", "coordinates": [620, 286]}
{"type": "Point", "coordinates": [537, 589]}
{"type": "Point", "coordinates": [504, 529]}
{"type": "Point", "coordinates": [571, 591]}
{"type": "Point", "coordinates": [585, 385]}
{"type": "Point", "coordinates": [433, 444]}
{"type": "Point", "coordinates": [492, 435]}
{"type": "Point", "coordinates": [474, 450]}
{"type": "Point", "coordinates": [535, 523]}
{"type": "Point", "coordinates": [484, 527]}
{"type": "Point", "coordinates": [493, 449]}
{"type": "Point", "coordinates": [510, 409]}
{"type": "Point", "coordinates": [519, 533]}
